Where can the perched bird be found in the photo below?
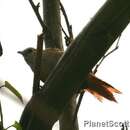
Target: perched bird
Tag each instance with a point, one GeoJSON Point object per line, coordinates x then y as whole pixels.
{"type": "Point", "coordinates": [50, 57]}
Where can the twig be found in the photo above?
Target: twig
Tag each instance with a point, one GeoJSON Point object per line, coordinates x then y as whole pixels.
{"type": "Point", "coordinates": [116, 47]}
{"type": "Point", "coordinates": [38, 60]}
{"type": "Point", "coordinates": [36, 10]}
{"type": "Point", "coordinates": [2, 86]}
{"type": "Point", "coordinates": [67, 38]}
{"type": "Point", "coordinates": [68, 41]}
{"type": "Point", "coordinates": [64, 32]}
{"type": "Point", "coordinates": [8, 127]}
{"type": "Point", "coordinates": [69, 27]}
{"type": "Point", "coordinates": [78, 105]}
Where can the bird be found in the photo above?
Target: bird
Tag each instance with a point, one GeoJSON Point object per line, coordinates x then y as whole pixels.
{"type": "Point", "coordinates": [50, 56]}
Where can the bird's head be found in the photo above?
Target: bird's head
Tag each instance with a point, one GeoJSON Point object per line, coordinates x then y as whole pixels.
{"type": "Point", "coordinates": [27, 51]}
{"type": "Point", "coordinates": [50, 57]}
{"type": "Point", "coordinates": [29, 56]}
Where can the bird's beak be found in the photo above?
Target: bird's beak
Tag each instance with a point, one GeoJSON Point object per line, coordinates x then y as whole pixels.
{"type": "Point", "coordinates": [20, 52]}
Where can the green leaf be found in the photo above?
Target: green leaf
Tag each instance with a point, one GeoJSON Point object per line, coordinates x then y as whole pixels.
{"type": "Point", "coordinates": [17, 126]}
{"type": "Point", "coordinates": [13, 90]}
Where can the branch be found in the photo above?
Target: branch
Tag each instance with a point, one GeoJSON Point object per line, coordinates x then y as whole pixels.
{"type": "Point", "coordinates": [70, 112]}
{"type": "Point", "coordinates": [36, 10]}
{"type": "Point", "coordinates": [78, 105]}
{"type": "Point", "coordinates": [2, 86]}
{"type": "Point", "coordinates": [69, 27]}
{"type": "Point", "coordinates": [38, 60]}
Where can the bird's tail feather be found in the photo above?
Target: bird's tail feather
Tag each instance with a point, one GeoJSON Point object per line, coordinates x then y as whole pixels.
{"type": "Point", "coordinates": [100, 89]}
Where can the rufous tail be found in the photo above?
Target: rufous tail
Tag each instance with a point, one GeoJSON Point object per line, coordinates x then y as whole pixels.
{"type": "Point", "coordinates": [100, 89]}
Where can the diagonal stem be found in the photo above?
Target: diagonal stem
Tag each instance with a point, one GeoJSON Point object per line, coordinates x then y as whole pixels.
{"type": "Point", "coordinates": [69, 27]}
{"type": "Point", "coordinates": [106, 55]}
{"type": "Point", "coordinates": [36, 11]}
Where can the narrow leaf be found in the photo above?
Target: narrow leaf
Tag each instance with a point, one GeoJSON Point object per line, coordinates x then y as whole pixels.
{"type": "Point", "coordinates": [13, 90]}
